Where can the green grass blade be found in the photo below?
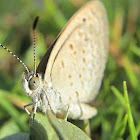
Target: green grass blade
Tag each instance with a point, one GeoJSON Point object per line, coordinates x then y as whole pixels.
{"type": "Point", "coordinates": [128, 110]}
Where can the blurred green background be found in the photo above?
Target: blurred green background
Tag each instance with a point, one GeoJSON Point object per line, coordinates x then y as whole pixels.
{"type": "Point", "coordinates": [16, 19]}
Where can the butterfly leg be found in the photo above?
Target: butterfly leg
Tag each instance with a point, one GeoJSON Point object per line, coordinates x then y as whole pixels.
{"type": "Point", "coordinates": [81, 114]}
{"type": "Point", "coordinates": [35, 108]}
{"type": "Point", "coordinates": [32, 103]}
{"type": "Point", "coordinates": [67, 113]}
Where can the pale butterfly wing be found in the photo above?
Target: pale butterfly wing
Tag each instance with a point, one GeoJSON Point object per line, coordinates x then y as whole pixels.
{"type": "Point", "coordinates": [77, 59]}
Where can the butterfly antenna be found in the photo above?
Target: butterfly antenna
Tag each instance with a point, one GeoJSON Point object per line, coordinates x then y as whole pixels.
{"type": "Point", "coordinates": [16, 58]}
{"type": "Point", "coordinates": [34, 40]}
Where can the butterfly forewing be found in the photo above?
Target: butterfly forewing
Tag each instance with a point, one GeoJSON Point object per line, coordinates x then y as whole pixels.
{"type": "Point", "coordinates": [77, 60]}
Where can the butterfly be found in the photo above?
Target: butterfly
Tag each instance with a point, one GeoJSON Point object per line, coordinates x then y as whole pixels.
{"type": "Point", "coordinates": [69, 75]}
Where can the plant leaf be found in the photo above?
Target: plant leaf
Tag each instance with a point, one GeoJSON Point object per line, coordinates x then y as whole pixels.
{"type": "Point", "coordinates": [52, 128]}
{"type": "Point", "coordinates": [19, 136]}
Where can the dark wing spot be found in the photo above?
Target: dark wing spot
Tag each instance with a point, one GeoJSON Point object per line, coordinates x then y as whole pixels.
{"type": "Point", "coordinates": [71, 84]}
{"type": "Point", "coordinates": [84, 19]}
{"type": "Point", "coordinates": [71, 46]}
{"type": "Point", "coordinates": [69, 76]}
{"type": "Point", "coordinates": [70, 98]}
{"type": "Point", "coordinates": [86, 39]}
{"type": "Point", "coordinates": [62, 64]}
{"type": "Point", "coordinates": [84, 60]}
{"type": "Point", "coordinates": [83, 51]}
{"type": "Point", "coordinates": [75, 52]}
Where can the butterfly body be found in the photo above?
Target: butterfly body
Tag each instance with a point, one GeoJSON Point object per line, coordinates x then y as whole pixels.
{"type": "Point", "coordinates": [70, 74]}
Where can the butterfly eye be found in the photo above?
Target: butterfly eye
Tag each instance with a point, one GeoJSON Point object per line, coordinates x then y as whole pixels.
{"type": "Point", "coordinates": [34, 83]}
